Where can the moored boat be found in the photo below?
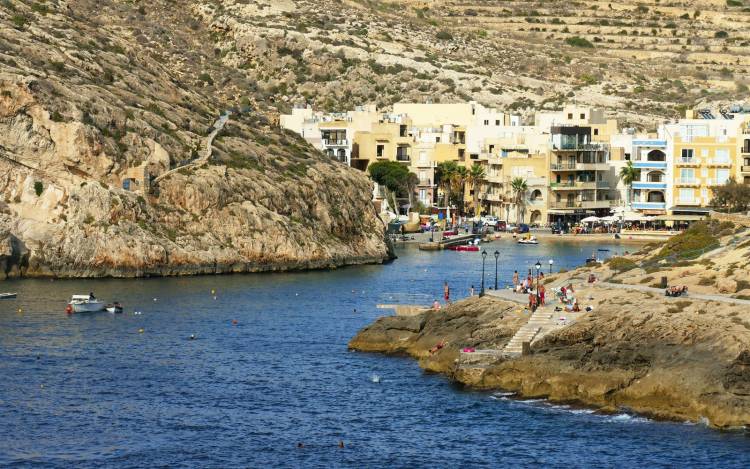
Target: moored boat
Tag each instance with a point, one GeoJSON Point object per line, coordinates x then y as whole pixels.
{"type": "Point", "coordinates": [7, 296]}
{"type": "Point", "coordinates": [465, 248]}
{"type": "Point", "coordinates": [86, 304]}
{"type": "Point", "coordinates": [115, 308]}
{"type": "Point", "coordinates": [529, 240]}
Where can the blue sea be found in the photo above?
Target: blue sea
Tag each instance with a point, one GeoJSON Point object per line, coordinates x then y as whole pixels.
{"type": "Point", "coordinates": [269, 370]}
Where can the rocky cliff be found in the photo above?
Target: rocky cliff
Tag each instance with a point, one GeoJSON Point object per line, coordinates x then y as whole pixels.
{"type": "Point", "coordinates": [106, 168]}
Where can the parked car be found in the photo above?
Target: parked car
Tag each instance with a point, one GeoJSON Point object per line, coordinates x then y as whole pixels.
{"type": "Point", "coordinates": [523, 228]}
{"type": "Point", "coordinates": [489, 220]}
{"type": "Point", "coordinates": [501, 225]}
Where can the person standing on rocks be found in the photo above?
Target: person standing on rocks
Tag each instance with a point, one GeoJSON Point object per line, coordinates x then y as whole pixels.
{"type": "Point", "coordinates": [515, 280]}
{"type": "Point", "coordinates": [446, 293]}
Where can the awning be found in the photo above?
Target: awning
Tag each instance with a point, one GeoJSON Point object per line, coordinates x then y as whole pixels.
{"type": "Point", "coordinates": [684, 208]}
{"type": "Point", "coordinates": [591, 220]}
{"type": "Point", "coordinates": [679, 218]}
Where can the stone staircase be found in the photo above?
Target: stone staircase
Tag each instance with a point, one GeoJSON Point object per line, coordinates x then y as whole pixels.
{"type": "Point", "coordinates": [541, 323]}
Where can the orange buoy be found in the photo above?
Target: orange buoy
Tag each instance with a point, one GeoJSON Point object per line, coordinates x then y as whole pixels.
{"type": "Point", "coordinates": [235, 322]}
{"type": "Point", "coordinates": [68, 309]}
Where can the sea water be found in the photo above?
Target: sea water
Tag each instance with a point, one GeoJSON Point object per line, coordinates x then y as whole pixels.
{"type": "Point", "coordinates": [269, 371]}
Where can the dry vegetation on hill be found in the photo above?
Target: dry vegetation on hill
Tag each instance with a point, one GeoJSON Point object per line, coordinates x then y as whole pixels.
{"type": "Point", "coordinates": [648, 60]}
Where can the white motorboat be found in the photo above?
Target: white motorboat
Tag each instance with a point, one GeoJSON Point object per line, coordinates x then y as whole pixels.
{"type": "Point", "coordinates": [86, 304]}
{"type": "Point", "coordinates": [530, 240]}
{"type": "Point", "coordinates": [115, 308]}
{"type": "Point", "coordinates": [7, 296]}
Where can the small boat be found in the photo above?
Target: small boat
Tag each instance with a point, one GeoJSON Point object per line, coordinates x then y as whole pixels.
{"type": "Point", "coordinates": [86, 304]}
{"type": "Point", "coordinates": [530, 240]}
{"type": "Point", "coordinates": [114, 308]}
{"type": "Point", "coordinates": [7, 296]}
{"type": "Point", "coordinates": [465, 248]}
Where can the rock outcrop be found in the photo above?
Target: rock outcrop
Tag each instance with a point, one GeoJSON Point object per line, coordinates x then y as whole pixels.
{"type": "Point", "coordinates": [87, 125]}
{"type": "Point", "coordinates": [681, 358]}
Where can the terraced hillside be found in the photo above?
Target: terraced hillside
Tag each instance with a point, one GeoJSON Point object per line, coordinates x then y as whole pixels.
{"type": "Point", "coordinates": [648, 60]}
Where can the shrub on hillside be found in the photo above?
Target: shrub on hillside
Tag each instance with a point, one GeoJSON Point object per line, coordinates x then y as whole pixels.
{"type": "Point", "coordinates": [444, 35]}
{"type": "Point", "coordinates": [700, 237]}
{"type": "Point", "coordinates": [621, 264]}
{"type": "Point", "coordinates": [577, 41]}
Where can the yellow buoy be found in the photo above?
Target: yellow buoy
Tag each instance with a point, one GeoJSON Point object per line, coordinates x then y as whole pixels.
{"type": "Point", "coordinates": [140, 331]}
{"type": "Point", "coordinates": [213, 292]}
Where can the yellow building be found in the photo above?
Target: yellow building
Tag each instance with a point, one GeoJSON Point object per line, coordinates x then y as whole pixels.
{"type": "Point", "coordinates": [742, 173]}
{"type": "Point", "coordinates": [704, 155]}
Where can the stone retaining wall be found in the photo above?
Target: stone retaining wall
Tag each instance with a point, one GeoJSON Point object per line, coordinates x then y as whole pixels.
{"type": "Point", "coordinates": [736, 218]}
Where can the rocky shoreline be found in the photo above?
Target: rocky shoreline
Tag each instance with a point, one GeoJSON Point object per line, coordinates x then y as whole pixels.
{"type": "Point", "coordinates": [677, 361]}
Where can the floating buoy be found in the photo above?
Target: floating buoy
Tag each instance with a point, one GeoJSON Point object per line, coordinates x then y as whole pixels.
{"type": "Point", "coordinates": [341, 443]}
{"type": "Point", "coordinates": [192, 336]}
{"type": "Point", "coordinates": [235, 322]}
{"type": "Point", "coordinates": [20, 310]}
{"type": "Point", "coordinates": [69, 309]}
{"type": "Point", "coordinates": [213, 292]}
{"type": "Point", "coordinates": [154, 299]}
{"type": "Point", "coordinates": [140, 331]}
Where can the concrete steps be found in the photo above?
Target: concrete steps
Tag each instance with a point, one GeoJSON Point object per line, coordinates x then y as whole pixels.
{"type": "Point", "coordinates": [541, 323]}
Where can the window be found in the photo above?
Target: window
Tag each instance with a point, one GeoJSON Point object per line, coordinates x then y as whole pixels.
{"type": "Point", "coordinates": [380, 150]}
{"type": "Point", "coordinates": [437, 139]}
{"type": "Point", "coordinates": [704, 172]}
{"type": "Point", "coordinates": [722, 175]}
{"type": "Point", "coordinates": [704, 152]}
{"type": "Point", "coordinates": [461, 154]}
{"type": "Point", "coordinates": [497, 122]}
{"type": "Point", "coordinates": [596, 131]}
{"type": "Point", "coordinates": [722, 156]}
{"type": "Point", "coordinates": [583, 116]}
{"type": "Point", "coordinates": [492, 148]}
{"type": "Point", "coordinates": [686, 195]}
{"type": "Point", "coordinates": [423, 195]}
{"type": "Point", "coordinates": [704, 194]}
{"type": "Point", "coordinates": [486, 122]}
{"type": "Point", "coordinates": [687, 174]}
{"type": "Point", "coordinates": [402, 131]}
{"type": "Point", "coordinates": [687, 154]}
{"type": "Point", "coordinates": [422, 158]}
{"type": "Point", "coordinates": [570, 115]}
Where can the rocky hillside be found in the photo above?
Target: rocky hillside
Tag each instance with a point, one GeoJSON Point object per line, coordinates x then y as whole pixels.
{"type": "Point", "coordinates": [96, 92]}
{"type": "Point", "coordinates": [645, 60]}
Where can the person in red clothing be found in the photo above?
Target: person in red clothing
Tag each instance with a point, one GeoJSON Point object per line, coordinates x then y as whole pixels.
{"type": "Point", "coordinates": [446, 292]}
{"type": "Point", "coordinates": [541, 295]}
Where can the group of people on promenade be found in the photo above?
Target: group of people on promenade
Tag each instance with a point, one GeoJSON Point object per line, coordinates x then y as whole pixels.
{"type": "Point", "coordinates": [536, 297]}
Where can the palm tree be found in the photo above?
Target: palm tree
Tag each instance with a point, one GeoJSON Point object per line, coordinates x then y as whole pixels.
{"type": "Point", "coordinates": [411, 182]}
{"type": "Point", "coordinates": [628, 174]}
{"type": "Point", "coordinates": [459, 183]}
{"type": "Point", "coordinates": [444, 174]}
{"type": "Point", "coordinates": [519, 187]}
{"type": "Point", "coordinates": [476, 175]}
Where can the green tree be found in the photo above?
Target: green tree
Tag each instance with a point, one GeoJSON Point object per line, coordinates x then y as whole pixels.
{"type": "Point", "coordinates": [731, 197]}
{"type": "Point", "coordinates": [628, 174]}
{"type": "Point", "coordinates": [519, 188]}
{"type": "Point", "coordinates": [476, 176]}
{"type": "Point", "coordinates": [393, 177]}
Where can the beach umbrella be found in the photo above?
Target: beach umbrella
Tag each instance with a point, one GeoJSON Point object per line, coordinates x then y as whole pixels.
{"type": "Point", "coordinates": [591, 220]}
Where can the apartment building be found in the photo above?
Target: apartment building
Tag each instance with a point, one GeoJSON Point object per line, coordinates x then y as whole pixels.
{"type": "Point", "coordinates": [702, 154]}
{"type": "Point", "coordinates": [742, 173]}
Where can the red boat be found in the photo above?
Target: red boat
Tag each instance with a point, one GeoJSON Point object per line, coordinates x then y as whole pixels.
{"type": "Point", "coordinates": [464, 248]}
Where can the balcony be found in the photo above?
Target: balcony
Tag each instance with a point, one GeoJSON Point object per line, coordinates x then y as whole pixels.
{"type": "Point", "coordinates": [715, 182]}
{"type": "Point", "coordinates": [649, 205]}
{"type": "Point", "coordinates": [687, 182]}
{"type": "Point", "coordinates": [425, 164]}
{"type": "Point", "coordinates": [425, 183]}
{"type": "Point", "coordinates": [746, 168]}
{"type": "Point", "coordinates": [493, 197]}
{"type": "Point", "coordinates": [579, 167]}
{"type": "Point", "coordinates": [403, 158]}
{"type": "Point", "coordinates": [650, 164]}
{"type": "Point", "coordinates": [687, 162]}
{"type": "Point", "coordinates": [649, 185]}
{"type": "Point", "coordinates": [723, 163]}
{"type": "Point", "coordinates": [579, 185]}
{"type": "Point", "coordinates": [494, 179]}
{"type": "Point", "coordinates": [691, 202]}
{"type": "Point", "coordinates": [335, 143]}
{"type": "Point", "coordinates": [584, 204]}
{"type": "Point", "coordinates": [581, 147]}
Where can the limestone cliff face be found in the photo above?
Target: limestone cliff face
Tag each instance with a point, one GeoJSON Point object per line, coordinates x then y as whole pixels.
{"type": "Point", "coordinates": [108, 105]}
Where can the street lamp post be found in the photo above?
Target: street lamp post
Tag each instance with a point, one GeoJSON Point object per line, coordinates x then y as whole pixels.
{"type": "Point", "coordinates": [497, 255]}
{"type": "Point", "coordinates": [538, 266]}
{"type": "Point", "coordinates": [550, 266]}
{"type": "Point", "coordinates": [481, 289]}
